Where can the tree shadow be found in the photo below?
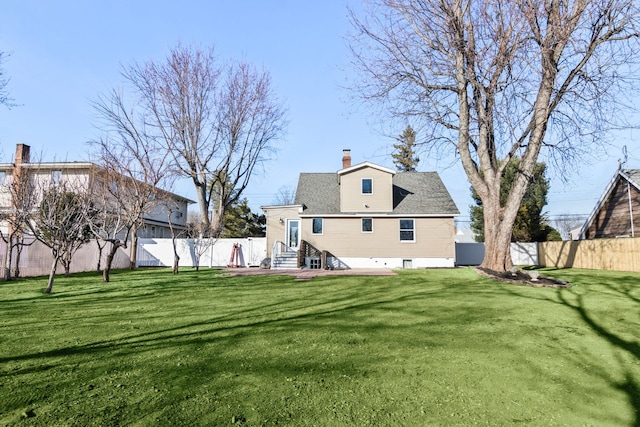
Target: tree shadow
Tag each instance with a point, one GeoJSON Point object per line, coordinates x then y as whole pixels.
{"type": "Point", "coordinates": [626, 349]}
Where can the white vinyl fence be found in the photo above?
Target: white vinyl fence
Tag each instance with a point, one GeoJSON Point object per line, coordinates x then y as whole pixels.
{"type": "Point", "coordinates": [215, 253]}
{"type": "Point", "coordinates": [473, 253]}
{"type": "Point", "coordinates": [36, 258]}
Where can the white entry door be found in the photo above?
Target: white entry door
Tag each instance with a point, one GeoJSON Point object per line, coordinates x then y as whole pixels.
{"type": "Point", "coordinates": [293, 233]}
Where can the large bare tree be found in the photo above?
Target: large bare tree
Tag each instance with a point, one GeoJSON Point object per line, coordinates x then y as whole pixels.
{"type": "Point", "coordinates": [218, 121]}
{"type": "Point", "coordinates": [491, 80]}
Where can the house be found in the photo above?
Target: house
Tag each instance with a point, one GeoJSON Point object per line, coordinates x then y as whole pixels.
{"type": "Point", "coordinates": [364, 216]}
{"type": "Point", "coordinates": [82, 175]}
{"type": "Point", "coordinates": [617, 213]}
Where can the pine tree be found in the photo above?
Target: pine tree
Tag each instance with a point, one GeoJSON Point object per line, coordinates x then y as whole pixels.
{"type": "Point", "coordinates": [404, 156]}
{"type": "Point", "coordinates": [239, 221]}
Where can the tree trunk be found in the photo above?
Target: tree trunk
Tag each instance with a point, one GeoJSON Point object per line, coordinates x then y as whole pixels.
{"type": "Point", "coordinates": [99, 263]}
{"type": "Point", "coordinates": [497, 247]}
{"type": "Point", "coordinates": [66, 263]}
{"type": "Point", "coordinates": [176, 261]}
{"type": "Point", "coordinates": [7, 259]}
{"type": "Point", "coordinates": [498, 226]}
{"type": "Point", "coordinates": [52, 274]}
{"type": "Point", "coordinates": [109, 260]}
{"type": "Point", "coordinates": [176, 257]}
{"type": "Point", "coordinates": [133, 252]}
{"type": "Point", "coordinates": [203, 204]}
{"type": "Point", "coordinates": [19, 247]}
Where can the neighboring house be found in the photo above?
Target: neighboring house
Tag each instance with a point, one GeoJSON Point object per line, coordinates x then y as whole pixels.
{"type": "Point", "coordinates": [81, 175]}
{"type": "Point", "coordinates": [617, 213]}
{"type": "Point", "coordinates": [364, 216]}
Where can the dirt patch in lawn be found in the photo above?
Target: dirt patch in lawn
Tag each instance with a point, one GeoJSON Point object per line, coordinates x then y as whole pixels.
{"type": "Point", "coordinates": [523, 278]}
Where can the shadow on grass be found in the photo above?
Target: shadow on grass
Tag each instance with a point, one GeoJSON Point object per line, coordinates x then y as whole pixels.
{"type": "Point", "coordinates": [589, 285]}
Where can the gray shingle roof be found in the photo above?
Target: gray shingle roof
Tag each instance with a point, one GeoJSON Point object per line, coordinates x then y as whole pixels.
{"type": "Point", "coordinates": [414, 193]}
{"type": "Point", "coordinates": [634, 176]}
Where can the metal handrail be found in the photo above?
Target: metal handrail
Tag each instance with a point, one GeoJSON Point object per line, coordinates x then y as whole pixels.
{"type": "Point", "coordinates": [278, 248]}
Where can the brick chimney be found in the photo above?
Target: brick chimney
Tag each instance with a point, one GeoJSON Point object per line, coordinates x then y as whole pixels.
{"type": "Point", "coordinates": [23, 154]}
{"type": "Point", "coordinates": [346, 158]}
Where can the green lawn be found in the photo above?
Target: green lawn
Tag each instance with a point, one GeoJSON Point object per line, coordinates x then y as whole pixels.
{"type": "Point", "coordinates": [429, 347]}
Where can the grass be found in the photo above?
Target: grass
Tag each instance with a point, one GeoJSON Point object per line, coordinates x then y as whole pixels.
{"type": "Point", "coordinates": [428, 347]}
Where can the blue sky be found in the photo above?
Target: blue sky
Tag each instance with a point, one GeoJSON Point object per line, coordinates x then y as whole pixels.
{"type": "Point", "coordinates": [65, 53]}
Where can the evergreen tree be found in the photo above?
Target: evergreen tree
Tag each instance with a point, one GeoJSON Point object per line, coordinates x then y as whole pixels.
{"type": "Point", "coordinates": [239, 221]}
{"type": "Point", "coordinates": [404, 156]}
{"type": "Point", "coordinates": [531, 223]}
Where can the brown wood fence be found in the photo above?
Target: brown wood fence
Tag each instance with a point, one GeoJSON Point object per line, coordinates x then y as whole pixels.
{"type": "Point", "coordinates": [602, 254]}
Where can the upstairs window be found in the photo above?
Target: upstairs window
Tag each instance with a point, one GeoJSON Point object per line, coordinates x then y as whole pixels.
{"type": "Point", "coordinates": [407, 230]}
{"type": "Point", "coordinates": [367, 186]}
{"type": "Point", "coordinates": [56, 176]}
{"type": "Point", "coordinates": [316, 226]}
{"type": "Point", "coordinates": [367, 225]}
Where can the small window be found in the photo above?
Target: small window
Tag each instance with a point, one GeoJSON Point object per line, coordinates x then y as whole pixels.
{"type": "Point", "coordinates": [407, 231]}
{"type": "Point", "coordinates": [367, 225]}
{"type": "Point", "coordinates": [367, 186]}
{"type": "Point", "coordinates": [317, 226]}
{"type": "Point", "coordinates": [56, 176]}
{"type": "Point", "coordinates": [3, 177]}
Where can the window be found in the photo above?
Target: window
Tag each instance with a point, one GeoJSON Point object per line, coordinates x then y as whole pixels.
{"type": "Point", "coordinates": [367, 186]}
{"type": "Point", "coordinates": [407, 232]}
{"type": "Point", "coordinates": [55, 177]}
{"type": "Point", "coordinates": [316, 226]}
{"type": "Point", "coordinates": [367, 225]}
{"type": "Point", "coordinates": [3, 177]}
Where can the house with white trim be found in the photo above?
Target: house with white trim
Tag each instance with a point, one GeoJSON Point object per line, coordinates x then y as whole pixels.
{"type": "Point", "coordinates": [82, 175]}
{"type": "Point", "coordinates": [364, 216]}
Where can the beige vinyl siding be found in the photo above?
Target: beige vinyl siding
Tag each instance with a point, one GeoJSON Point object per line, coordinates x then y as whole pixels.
{"type": "Point", "coordinates": [276, 229]}
{"type": "Point", "coordinates": [352, 199]}
{"type": "Point", "coordinates": [343, 237]}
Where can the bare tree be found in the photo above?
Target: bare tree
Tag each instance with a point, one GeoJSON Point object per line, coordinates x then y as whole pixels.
{"type": "Point", "coordinates": [20, 189]}
{"type": "Point", "coordinates": [218, 121]}
{"type": "Point", "coordinates": [119, 203]}
{"type": "Point", "coordinates": [568, 223]}
{"type": "Point", "coordinates": [5, 98]}
{"type": "Point", "coordinates": [203, 238]}
{"type": "Point", "coordinates": [133, 170]}
{"type": "Point", "coordinates": [490, 80]}
{"type": "Point", "coordinates": [286, 195]}
{"type": "Point", "coordinates": [59, 223]}
{"type": "Point", "coordinates": [172, 208]}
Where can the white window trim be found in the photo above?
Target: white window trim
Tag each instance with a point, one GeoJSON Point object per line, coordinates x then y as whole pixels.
{"type": "Point", "coordinates": [321, 226]}
{"type": "Point", "coordinates": [362, 225]}
{"type": "Point", "coordinates": [406, 229]}
{"type": "Point", "coordinates": [362, 185]}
